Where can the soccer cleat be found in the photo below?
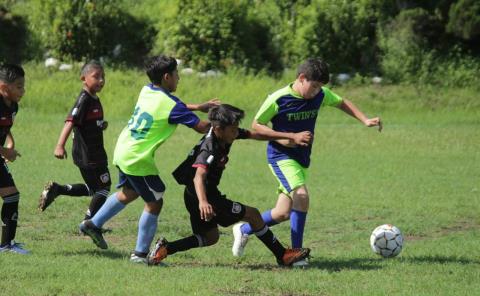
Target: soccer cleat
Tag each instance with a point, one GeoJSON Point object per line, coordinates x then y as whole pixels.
{"type": "Point", "coordinates": [14, 248]}
{"type": "Point", "coordinates": [95, 233]}
{"type": "Point", "coordinates": [49, 193]}
{"type": "Point", "coordinates": [134, 258]}
{"type": "Point", "coordinates": [240, 240]}
{"type": "Point", "coordinates": [294, 255]}
{"type": "Point", "coordinates": [18, 248]}
{"type": "Point", "coordinates": [158, 253]}
{"type": "Point", "coordinates": [5, 248]}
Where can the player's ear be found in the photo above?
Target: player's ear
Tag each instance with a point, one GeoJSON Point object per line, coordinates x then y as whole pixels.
{"type": "Point", "coordinates": [82, 78]}
{"type": "Point", "coordinates": [3, 87]}
{"type": "Point", "coordinates": [166, 76]}
{"type": "Point", "coordinates": [301, 77]}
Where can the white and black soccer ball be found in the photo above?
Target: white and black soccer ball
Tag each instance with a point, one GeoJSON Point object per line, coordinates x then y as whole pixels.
{"type": "Point", "coordinates": [386, 240]}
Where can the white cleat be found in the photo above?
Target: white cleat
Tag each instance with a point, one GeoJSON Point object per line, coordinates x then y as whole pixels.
{"type": "Point", "coordinates": [240, 240]}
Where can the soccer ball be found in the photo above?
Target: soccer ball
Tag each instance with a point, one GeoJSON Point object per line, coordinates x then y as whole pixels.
{"type": "Point", "coordinates": [386, 240]}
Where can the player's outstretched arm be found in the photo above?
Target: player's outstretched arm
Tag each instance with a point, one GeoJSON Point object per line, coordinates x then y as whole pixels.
{"type": "Point", "coordinates": [60, 152]}
{"type": "Point", "coordinates": [352, 110]}
{"type": "Point", "coordinates": [202, 126]}
{"type": "Point", "coordinates": [204, 107]}
{"type": "Point", "coordinates": [264, 132]}
{"type": "Point", "coordinates": [206, 209]}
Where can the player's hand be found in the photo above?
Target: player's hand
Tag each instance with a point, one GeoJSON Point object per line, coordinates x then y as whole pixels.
{"type": "Point", "coordinates": [104, 125]}
{"type": "Point", "coordinates": [303, 138]}
{"type": "Point", "coordinates": [206, 211]}
{"type": "Point", "coordinates": [60, 152]}
{"type": "Point", "coordinates": [376, 121]}
{"type": "Point", "coordinates": [204, 107]}
{"type": "Point", "coordinates": [10, 154]}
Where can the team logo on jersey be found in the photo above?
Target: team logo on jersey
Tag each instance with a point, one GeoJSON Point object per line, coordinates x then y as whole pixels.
{"type": "Point", "coordinates": [236, 208]}
{"type": "Point", "coordinates": [105, 178]}
{"type": "Point", "coordinates": [302, 115]}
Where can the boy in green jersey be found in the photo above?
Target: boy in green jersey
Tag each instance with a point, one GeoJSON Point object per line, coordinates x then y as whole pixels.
{"type": "Point", "coordinates": [293, 109]}
{"type": "Point", "coordinates": [155, 118]}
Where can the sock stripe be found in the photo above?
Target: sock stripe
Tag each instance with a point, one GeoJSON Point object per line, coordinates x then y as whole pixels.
{"type": "Point", "coordinates": [262, 231]}
{"type": "Point", "coordinates": [12, 198]}
{"type": "Point", "coordinates": [200, 240]}
{"type": "Point", "coordinates": [102, 193]}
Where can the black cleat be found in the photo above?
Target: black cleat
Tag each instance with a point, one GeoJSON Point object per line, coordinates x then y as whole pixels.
{"type": "Point", "coordinates": [49, 193]}
{"type": "Point", "coordinates": [95, 233]}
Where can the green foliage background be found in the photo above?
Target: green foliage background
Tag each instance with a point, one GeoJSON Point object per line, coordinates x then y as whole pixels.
{"type": "Point", "coordinates": [431, 42]}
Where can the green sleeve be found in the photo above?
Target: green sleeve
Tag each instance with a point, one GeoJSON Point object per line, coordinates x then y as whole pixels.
{"type": "Point", "coordinates": [268, 110]}
{"type": "Point", "coordinates": [331, 98]}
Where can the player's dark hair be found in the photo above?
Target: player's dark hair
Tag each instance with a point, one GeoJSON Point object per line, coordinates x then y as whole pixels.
{"type": "Point", "coordinates": [158, 66]}
{"type": "Point", "coordinates": [90, 66]}
{"type": "Point", "coordinates": [225, 115]}
{"type": "Point", "coordinates": [10, 72]}
{"type": "Point", "coordinates": [314, 69]}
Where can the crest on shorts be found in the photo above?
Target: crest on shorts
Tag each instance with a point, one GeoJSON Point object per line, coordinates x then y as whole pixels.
{"type": "Point", "coordinates": [236, 208]}
{"type": "Point", "coordinates": [105, 178]}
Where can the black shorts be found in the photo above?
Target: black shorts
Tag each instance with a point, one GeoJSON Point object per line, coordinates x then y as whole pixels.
{"type": "Point", "coordinates": [6, 179]}
{"type": "Point", "coordinates": [227, 212]}
{"type": "Point", "coordinates": [150, 188]}
{"type": "Point", "coordinates": [97, 179]}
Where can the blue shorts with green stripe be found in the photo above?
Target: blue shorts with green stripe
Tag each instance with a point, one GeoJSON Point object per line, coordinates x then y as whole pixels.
{"type": "Point", "coordinates": [289, 173]}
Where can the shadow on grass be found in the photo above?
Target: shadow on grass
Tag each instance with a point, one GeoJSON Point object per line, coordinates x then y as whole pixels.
{"type": "Point", "coordinates": [95, 253]}
{"type": "Point", "coordinates": [328, 265]}
{"type": "Point", "coordinates": [439, 259]}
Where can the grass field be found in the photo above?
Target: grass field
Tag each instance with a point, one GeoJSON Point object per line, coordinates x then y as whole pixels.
{"type": "Point", "coordinates": [422, 173]}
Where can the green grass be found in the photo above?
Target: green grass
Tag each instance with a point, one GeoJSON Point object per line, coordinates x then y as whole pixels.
{"type": "Point", "coordinates": [421, 173]}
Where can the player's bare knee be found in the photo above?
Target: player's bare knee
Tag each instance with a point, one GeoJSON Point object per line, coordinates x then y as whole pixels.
{"type": "Point", "coordinates": [300, 199]}
{"type": "Point", "coordinates": [154, 207]}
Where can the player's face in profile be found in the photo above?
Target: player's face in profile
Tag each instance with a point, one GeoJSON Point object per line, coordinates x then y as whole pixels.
{"type": "Point", "coordinates": [228, 134]}
{"type": "Point", "coordinates": [14, 91]}
{"type": "Point", "coordinates": [94, 80]}
{"type": "Point", "coordinates": [309, 88]}
{"type": "Point", "coordinates": [172, 80]}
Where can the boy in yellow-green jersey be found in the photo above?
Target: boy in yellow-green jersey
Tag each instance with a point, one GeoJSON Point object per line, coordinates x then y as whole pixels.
{"type": "Point", "coordinates": [155, 118]}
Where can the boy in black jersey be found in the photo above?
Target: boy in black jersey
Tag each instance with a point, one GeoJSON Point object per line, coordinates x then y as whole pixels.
{"type": "Point", "coordinates": [201, 173]}
{"type": "Point", "coordinates": [88, 153]}
{"type": "Point", "coordinates": [12, 89]}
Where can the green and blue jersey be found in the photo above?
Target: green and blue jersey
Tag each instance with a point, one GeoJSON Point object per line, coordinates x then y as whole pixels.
{"type": "Point", "coordinates": [289, 112]}
{"type": "Point", "coordinates": [155, 118]}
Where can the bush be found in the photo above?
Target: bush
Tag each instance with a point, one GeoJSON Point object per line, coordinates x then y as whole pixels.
{"type": "Point", "coordinates": [13, 33]}
{"type": "Point", "coordinates": [221, 34]}
{"type": "Point", "coordinates": [341, 32]}
{"type": "Point", "coordinates": [79, 30]}
{"type": "Point", "coordinates": [464, 19]}
{"type": "Point", "coordinates": [403, 48]}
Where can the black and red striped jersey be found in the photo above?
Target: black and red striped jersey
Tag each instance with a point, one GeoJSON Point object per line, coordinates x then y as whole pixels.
{"type": "Point", "coordinates": [87, 118]}
{"type": "Point", "coordinates": [7, 116]}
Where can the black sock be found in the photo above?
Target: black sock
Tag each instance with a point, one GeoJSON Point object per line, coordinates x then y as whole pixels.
{"type": "Point", "coordinates": [268, 239]}
{"type": "Point", "coordinates": [95, 204]}
{"type": "Point", "coordinates": [9, 218]}
{"type": "Point", "coordinates": [74, 190]}
{"type": "Point", "coordinates": [194, 241]}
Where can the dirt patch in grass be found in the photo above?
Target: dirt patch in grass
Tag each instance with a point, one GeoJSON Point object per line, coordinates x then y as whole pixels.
{"type": "Point", "coordinates": [459, 226]}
